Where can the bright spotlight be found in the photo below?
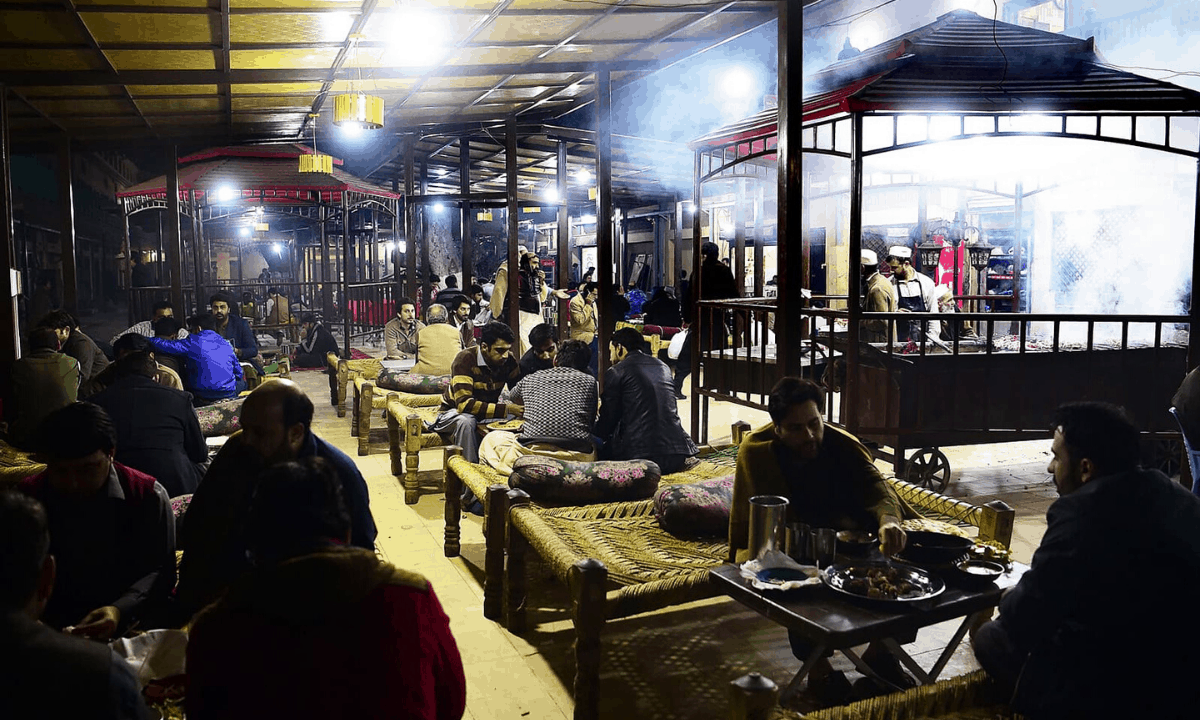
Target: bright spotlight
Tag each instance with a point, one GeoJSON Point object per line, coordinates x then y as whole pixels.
{"type": "Point", "coordinates": [352, 129]}
{"type": "Point", "coordinates": [550, 194]}
{"type": "Point", "coordinates": [438, 207]}
{"type": "Point", "coordinates": [245, 232]}
{"type": "Point", "coordinates": [583, 177]}
{"type": "Point", "coordinates": [737, 82]}
{"type": "Point", "coordinates": [278, 249]}
{"type": "Point", "coordinates": [390, 246]}
{"type": "Point", "coordinates": [226, 193]}
{"type": "Point", "coordinates": [588, 219]}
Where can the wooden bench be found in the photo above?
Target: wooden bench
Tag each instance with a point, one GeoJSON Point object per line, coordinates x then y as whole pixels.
{"type": "Point", "coordinates": [369, 397]}
{"type": "Point", "coordinates": [407, 415]}
{"type": "Point", "coordinates": [342, 372]}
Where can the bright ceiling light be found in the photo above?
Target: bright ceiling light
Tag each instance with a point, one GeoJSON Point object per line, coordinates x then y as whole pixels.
{"type": "Point", "coordinates": [583, 176]}
{"type": "Point", "coordinates": [737, 82]}
{"type": "Point", "coordinates": [588, 219]}
{"type": "Point", "coordinates": [438, 207]}
{"type": "Point", "coordinates": [351, 130]}
{"type": "Point", "coordinates": [226, 193]}
{"type": "Point", "coordinates": [278, 249]}
{"type": "Point", "coordinates": [550, 194]}
{"type": "Point", "coordinates": [417, 36]}
{"type": "Point", "coordinates": [245, 232]}
{"type": "Point", "coordinates": [389, 246]}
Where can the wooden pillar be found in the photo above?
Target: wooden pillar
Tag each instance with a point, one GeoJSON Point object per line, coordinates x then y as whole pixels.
{"type": "Point", "coordinates": [466, 213]}
{"type": "Point", "coordinates": [564, 240]}
{"type": "Point", "coordinates": [327, 277]}
{"type": "Point", "coordinates": [347, 270]}
{"type": "Point", "coordinates": [792, 272]}
{"type": "Point", "coordinates": [760, 237]}
{"type": "Point", "coordinates": [739, 237]}
{"type": "Point", "coordinates": [694, 290]}
{"type": "Point", "coordinates": [66, 235]}
{"type": "Point", "coordinates": [426, 232]}
{"type": "Point", "coordinates": [129, 253]}
{"type": "Point", "coordinates": [198, 259]}
{"type": "Point", "coordinates": [510, 166]}
{"type": "Point", "coordinates": [174, 242]}
{"type": "Point", "coordinates": [604, 214]}
{"type": "Point", "coordinates": [10, 335]}
{"type": "Point", "coordinates": [410, 221]}
{"type": "Point", "coordinates": [677, 267]}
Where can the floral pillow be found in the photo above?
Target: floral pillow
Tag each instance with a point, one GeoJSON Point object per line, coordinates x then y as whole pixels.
{"type": "Point", "coordinates": [695, 509]}
{"type": "Point", "coordinates": [414, 383]}
{"type": "Point", "coordinates": [179, 506]}
{"type": "Point", "coordinates": [223, 418]}
{"type": "Point", "coordinates": [563, 482]}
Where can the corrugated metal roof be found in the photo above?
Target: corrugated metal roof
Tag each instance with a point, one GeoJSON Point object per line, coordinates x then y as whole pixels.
{"type": "Point", "coordinates": [966, 63]}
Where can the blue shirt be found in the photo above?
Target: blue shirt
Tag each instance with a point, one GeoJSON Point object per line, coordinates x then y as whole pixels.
{"type": "Point", "coordinates": [354, 489]}
{"type": "Point", "coordinates": [212, 370]}
{"type": "Point", "coordinates": [240, 336]}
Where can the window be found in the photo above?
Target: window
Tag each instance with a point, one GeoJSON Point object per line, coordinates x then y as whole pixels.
{"type": "Point", "coordinates": [1049, 16]}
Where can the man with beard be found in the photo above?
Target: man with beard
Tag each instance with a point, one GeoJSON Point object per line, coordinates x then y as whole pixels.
{"type": "Point", "coordinates": [276, 427]}
{"type": "Point", "coordinates": [830, 481]}
{"type": "Point", "coordinates": [235, 329]}
{"type": "Point", "coordinates": [878, 296]}
{"type": "Point", "coordinates": [915, 292]}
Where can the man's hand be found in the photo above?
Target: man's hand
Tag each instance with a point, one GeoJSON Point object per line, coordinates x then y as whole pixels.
{"type": "Point", "coordinates": [562, 294]}
{"type": "Point", "coordinates": [891, 536]}
{"type": "Point", "coordinates": [517, 410]}
{"type": "Point", "coordinates": [99, 624]}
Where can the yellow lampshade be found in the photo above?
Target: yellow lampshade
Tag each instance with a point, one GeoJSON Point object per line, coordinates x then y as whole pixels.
{"type": "Point", "coordinates": [591, 193]}
{"type": "Point", "coordinates": [485, 216]}
{"type": "Point", "coordinates": [262, 227]}
{"type": "Point", "coordinates": [316, 163]}
{"type": "Point", "coordinates": [365, 110]}
{"type": "Point", "coordinates": [528, 210]}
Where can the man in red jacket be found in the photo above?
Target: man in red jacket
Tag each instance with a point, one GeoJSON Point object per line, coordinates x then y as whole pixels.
{"type": "Point", "coordinates": [319, 629]}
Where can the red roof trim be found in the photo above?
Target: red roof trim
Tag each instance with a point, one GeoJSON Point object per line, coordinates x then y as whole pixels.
{"type": "Point", "coordinates": [289, 192]}
{"type": "Point", "coordinates": [836, 101]}
{"type": "Point", "coordinates": [253, 152]}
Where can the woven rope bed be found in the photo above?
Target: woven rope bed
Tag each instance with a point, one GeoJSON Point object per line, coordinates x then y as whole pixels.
{"type": "Point", "coordinates": [407, 416]}
{"type": "Point", "coordinates": [369, 397]}
{"type": "Point", "coordinates": [342, 372]}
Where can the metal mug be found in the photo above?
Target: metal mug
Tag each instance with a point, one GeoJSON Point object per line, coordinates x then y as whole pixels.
{"type": "Point", "coordinates": [800, 543]}
{"type": "Point", "coordinates": [768, 516]}
{"type": "Point", "coordinates": [824, 546]}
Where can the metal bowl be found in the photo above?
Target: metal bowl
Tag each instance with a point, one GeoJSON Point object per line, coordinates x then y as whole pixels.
{"type": "Point", "coordinates": [979, 571]}
{"type": "Point", "coordinates": [856, 542]}
{"type": "Point", "coordinates": [933, 548]}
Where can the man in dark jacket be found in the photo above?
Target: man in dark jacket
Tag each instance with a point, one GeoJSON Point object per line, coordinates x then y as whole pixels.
{"type": "Point", "coordinates": [212, 372]}
{"type": "Point", "coordinates": [638, 415]}
{"type": "Point", "coordinates": [716, 283]}
{"type": "Point", "coordinates": [1084, 634]}
{"type": "Point", "coordinates": [157, 429]}
{"type": "Point", "coordinates": [234, 329]}
{"type": "Point", "coordinates": [317, 343]}
{"type": "Point", "coordinates": [92, 359]}
{"type": "Point", "coordinates": [83, 678]}
{"type": "Point", "coordinates": [663, 310]}
{"type": "Point", "coordinates": [42, 382]}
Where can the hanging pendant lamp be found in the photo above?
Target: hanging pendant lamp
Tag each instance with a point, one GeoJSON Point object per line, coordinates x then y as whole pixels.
{"type": "Point", "coordinates": [316, 162]}
{"type": "Point", "coordinates": [356, 108]}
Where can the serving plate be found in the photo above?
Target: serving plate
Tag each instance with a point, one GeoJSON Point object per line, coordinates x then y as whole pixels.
{"type": "Point", "coordinates": [915, 584]}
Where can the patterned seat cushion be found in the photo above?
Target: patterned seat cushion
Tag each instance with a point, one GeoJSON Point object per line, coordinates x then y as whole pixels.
{"type": "Point", "coordinates": [179, 506]}
{"type": "Point", "coordinates": [563, 482]}
{"type": "Point", "coordinates": [695, 509]}
{"type": "Point", "coordinates": [412, 383]}
{"type": "Point", "coordinates": [223, 418]}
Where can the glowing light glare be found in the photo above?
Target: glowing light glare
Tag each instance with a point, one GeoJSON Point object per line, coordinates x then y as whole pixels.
{"type": "Point", "coordinates": [869, 31]}
{"type": "Point", "coordinates": [550, 194]}
{"type": "Point", "coordinates": [245, 232]}
{"type": "Point", "coordinates": [278, 249]}
{"type": "Point", "coordinates": [588, 219]}
{"type": "Point", "coordinates": [583, 177]}
{"type": "Point", "coordinates": [390, 247]}
{"type": "Point", "coordinates": [225, 193]}
{"type": "Point", "coordinates": [416, 37]}
{"type": "Point", "coordinates": [352, 130]}
{"type": "Point", "coordinates": [438, 207]}
{"type": "Point", "coordinates": [737, 82]}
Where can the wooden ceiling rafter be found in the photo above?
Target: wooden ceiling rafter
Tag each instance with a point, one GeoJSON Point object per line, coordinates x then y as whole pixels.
{"type": "Point", "coordinates": [82, 26]}
{"type": "Point", "coordinates": [348, 45]}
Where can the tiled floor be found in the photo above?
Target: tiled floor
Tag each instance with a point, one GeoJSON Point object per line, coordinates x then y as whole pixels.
{"type": "Point", "coordinates": [671, 664]}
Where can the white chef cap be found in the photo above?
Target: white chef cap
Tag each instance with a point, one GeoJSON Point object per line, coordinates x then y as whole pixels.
{"type": "Point", "coordinates": [900, 251]}
{"type": "Point", "coordinates": [869, 257]}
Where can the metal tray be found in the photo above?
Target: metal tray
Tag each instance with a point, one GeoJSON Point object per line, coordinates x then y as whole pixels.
{"type": "Point", "coordinates": [925, 585]}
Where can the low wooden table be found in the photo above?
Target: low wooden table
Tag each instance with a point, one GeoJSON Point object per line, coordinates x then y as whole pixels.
{"type": "Point", "coordinates": [831, 620]}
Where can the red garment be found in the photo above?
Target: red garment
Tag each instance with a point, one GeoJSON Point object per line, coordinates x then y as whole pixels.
{"type": "Point", "coordinates": [137, 484]}
{"type": "Point", "coordinates": [332, 635]}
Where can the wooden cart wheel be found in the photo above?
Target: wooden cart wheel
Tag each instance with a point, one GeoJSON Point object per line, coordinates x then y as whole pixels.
{"type": "Point", "coordinates": [928, 468]}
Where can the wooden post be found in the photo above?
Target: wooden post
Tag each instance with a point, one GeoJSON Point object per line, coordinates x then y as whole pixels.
{"type": "Point", "coordinates": [694, 330]}
{"type": "Point", "coordinates": [129, 293]}
{"type": "Point", "coordinates": [760, 237]}
{"type": "Point", "coordinates": [588, 580]}
{"type": "Point", "coordinates": [66, 236]}
{"type": "Point", "coordinates": [793, 265]}
{"type": "Point", "coordinates": [198, 260]}
{"type": "Point", "coordinates": [604, 216]}
{"type": "Point", "coordinates": [564, 240]}
{"type": "Point", "coordinates": [413, 427]}
{"type": "Point", "coordinates": [466, 213]}
{"type": "Point", "coordinates": [514, 574]}
{"type": "Point", "coordinates": [347, 270]}
{"type": "Point", "coordinates": [426, 231]}
{"type": "Point", "coordinates": [174, 241]}
{"type": "Point", "coordinates": [327, 280]}
{"type": "Point", "coordinates": [10, 334]}
{"type": "Point", "coordinates": [410, 221]}
{"type": "Point", "coordinates": [495, 522]}
{"type": "Point", "coordinates": [513, 314]}
{"type": "Point", "coordinates": [453, 505]}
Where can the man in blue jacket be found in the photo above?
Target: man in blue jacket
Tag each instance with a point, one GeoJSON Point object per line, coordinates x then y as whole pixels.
{"type": "Point", "coordinates": [212, 370]}
{"type": "Point", "coordinates": [235, 329]}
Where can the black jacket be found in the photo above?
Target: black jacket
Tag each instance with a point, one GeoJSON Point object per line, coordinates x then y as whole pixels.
{"type": "Point", "coordinates": [157, 431]}
{"type": "Point", "coordinates": [316, 347]}
{"type": "Point", "coordinates": [663, 311]}
{"type": "Point", "coordinates": [638, 411]}
{"type": "Point", "coordinates": [1094, 609]}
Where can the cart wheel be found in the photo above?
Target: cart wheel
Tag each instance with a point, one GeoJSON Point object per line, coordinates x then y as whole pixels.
{"type": "Point", "coordinates": [929, 468]}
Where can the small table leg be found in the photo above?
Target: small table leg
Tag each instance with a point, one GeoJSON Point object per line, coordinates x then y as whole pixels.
{"type": "Point", "coordinates": [793, 687]}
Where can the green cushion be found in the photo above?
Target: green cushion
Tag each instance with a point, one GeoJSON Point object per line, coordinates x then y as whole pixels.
{"type": "Point", "coordinates": [695, 509]}
{"type": "Point", "coordinates": [563, 482]}
{"type": "Point", "coordinates": [414, 383]}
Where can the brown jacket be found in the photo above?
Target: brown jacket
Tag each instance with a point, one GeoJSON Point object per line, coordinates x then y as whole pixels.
{"type": "Point", "coordinates": [437, 346]}
{"type": "Point", "coordinates": [583, 320]}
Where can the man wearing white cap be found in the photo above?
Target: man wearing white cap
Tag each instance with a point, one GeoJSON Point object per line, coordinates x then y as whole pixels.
{"type": "Point", "coordinates": [914, 293]}
{"type": "Point", "coordinates": [878, 296]}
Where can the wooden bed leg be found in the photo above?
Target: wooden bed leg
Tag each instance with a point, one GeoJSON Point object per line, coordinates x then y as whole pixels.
{"type": "Point", "coordinates": [752, 697]}
{"type": "Point", "coordinates": [395, 452]}
{"type": "Point", "coordinates": [996, 522]}
{"type": "Point", "coordinates": [517, 546]}
{"type": "Point", "coordinates": [738, 431]}
{"type": "Point", "coordinates": [453, 505]}
{"type": "Point", "coordinates": [354, 412]}
{"type": "Point", "coordinates": [364, 408]}
{"type": "Point", "coordinates": [413, 427]}
{"type": "Point", "coordinates": [343, 371]}
{"type": "Point", "coordinates": [588, 580]}
{"type": "Point", "coordinates": [495, 519]}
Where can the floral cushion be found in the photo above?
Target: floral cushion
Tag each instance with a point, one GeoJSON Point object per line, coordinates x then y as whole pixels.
{"type": "Point", "coordinates": [179, 506]}
{"type": "Point", "coordinates": [414, 383]}
{"type": "Point", "coordinates": [695, 509]}
{"type": "Point", "coordinates": [223, 418]}
{"type": "Point", "coordinates": [564, 482]}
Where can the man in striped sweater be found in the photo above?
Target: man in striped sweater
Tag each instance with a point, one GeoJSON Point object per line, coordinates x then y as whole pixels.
{"type": "Point", "coordinates": [477, 376]}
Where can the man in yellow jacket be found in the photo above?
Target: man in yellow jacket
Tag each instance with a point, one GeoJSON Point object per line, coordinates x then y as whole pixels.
{"type": "Point", "coordinates": [879, 295]}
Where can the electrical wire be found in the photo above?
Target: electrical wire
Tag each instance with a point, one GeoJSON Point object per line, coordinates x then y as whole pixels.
{"type": "Point", "coordinates": [1004, 74]}
{"type": "Point", "coordinates": [847, 19]}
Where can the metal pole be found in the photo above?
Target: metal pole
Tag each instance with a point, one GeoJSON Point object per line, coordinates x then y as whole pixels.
{"type": "Point", "coordinates": [426, 232]}
{"type": "Point", "coordinates": [174, 241]}
{"type": "Point", "coordinates": [792, 271]}
{"type": "Point", "coordinates": [739, 236]}
{"type": "Point", "coordinates": [327, 278]}
{"type": "Point", "coordinates": [347, 269]}
{"type": "Point", "coordinates": [410, 220]}
{"type": "Point", "coordinates": [66, 236]}
{"type": "Point", "coordinates": [604, 215]}
{"type": "Point", "coordinates": [198, 261]}
{"type": "Point", "coordinates": [464, 186]}
{"type": "Point", "coordinates": [694, 288]}
{"type": "Point", "coordinates": [510, 187]}
{"type": "Point", "coordinates": [1194, 310]}
{"type": "Point", "coordinates": [1018, 251]}
{"type": "Point", "coordinates": [564, 239]}
{"type": "Point", "coordinates": [10, 335]}
{"type": "Point", "coordinates": [128, 264]}
{"type": "Point", "coordinates": [760, 237]}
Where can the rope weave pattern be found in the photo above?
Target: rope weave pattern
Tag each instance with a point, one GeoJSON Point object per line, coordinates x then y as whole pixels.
{"type": "Point", "coordinates": [969, 697]}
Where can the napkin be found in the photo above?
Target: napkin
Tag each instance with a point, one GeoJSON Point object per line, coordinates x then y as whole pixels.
{"type": "Point", "coordinates": [774, 559]}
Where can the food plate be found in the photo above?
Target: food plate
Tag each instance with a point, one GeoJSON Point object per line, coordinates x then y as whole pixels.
{"type": "Point", "coordinates": [776, 571]}
{"type": "Point", "coordinates": [510, 425]}
{"type": "Point", "coordinates": [883, 582]}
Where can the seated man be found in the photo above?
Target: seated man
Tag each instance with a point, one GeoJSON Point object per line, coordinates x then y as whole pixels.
{"type": "Point", "coordinates": [638, 412]}
{"type": "Point", "coordinates": [459, 307]}
{"type": "Point", "coordinates": [830, 481]}
{"type": "Point", "coordinates": [235, 330]}
{"type": "Point", "coordinates": [86, 679]}
{"type": "Point", "coordinates": [276, 427]}
{"type": "Point", "coordinates": [560, 411]}
{"type": "Point", "coordinates": [112, 531]}
{"type": "Point", "coordinates": [157, 429]}
{"type": "Point", "coordinates": [92, 360]}
{"type": "Point", "coordinates": [42, 382]}
{"type": "Point", "coordinates": [400, 334]}
{"type": "Point", "coordinates": [169, 328]}
{"type": "Point", "coordinates": [131, 343]}
{"type": "Point", "coordinates": [663, 309]}
{"type": "Point", "coordinates": [373, 643]}
{"type": "Point", "coordinates": [145, 328]}
{"type": "Point", "coordinates": [1072, 652]}
{"type": "Point", "coordinates": [317, 343]}
{"type": "Point", "coordinates": [213, 372]}
{"type": "Point", "coordinates": [279, 313]}
{"type": "Point", "coordinates": [477, 376]}
{"type": "Point", "coordinates": [543, 343]}
{"type": "Point", "coordinates": [438, 343]}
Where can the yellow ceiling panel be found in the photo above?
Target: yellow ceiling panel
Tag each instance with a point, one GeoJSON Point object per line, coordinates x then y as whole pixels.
{"type": "Point", "coordinates": [141, 90]}
{"type": "Point", "coordinates": [593, 53]}
{"type": "Point", "coordinates": [302, 102]}
{"type": "Point", "coordinates": [69, 90]}
{"type": "Point", "coordinates": [82, 107]}
{"type": "Point", "coordinates": [422, 27]}
{"type": "Point", "coordinates": [372, 86]}
{"type": "Point", "coordinates": [665, 52]}
{"type": "Point", "coordinates": [280, 118]}
{"type": "Point", "coordinates": [282, 59]}
{"type": "Point", "coordinates": [43, 59]}
{"type": "Point", "coordinates": [518, 93]}
{"type": "Point", "coordinates": [147, 27]}
{"type": "Point", "coordinates": [281, 88]}
{"type": "Point", "coordinates": [454, 83]}
{"type": "Point", "coordinates": [161, 59]}
{"type": "Point", "coordinates": [527, 79]}
{"type": "Point", "coordinates": [185, 120]}
{"type": "Point", "coordinates": [98, 127]}
{"type": "Point", "coordinates": [180, 105]}
{"type": "Point", "coordinates": [500, 109]}
{"type": "Point", "coordinates": [458, 97]}
{"type": "Point", "coordinates": [290, 27]}
{"type": "Point", "coordinates": [349, 5]}
{"type": "Point", "coordinates": [37, 27]}
{"type": "Point", "coordinates": [180, 3]}
{"type": "Point", "coordinates": [537, 28]}
{"type": "Point", "coordinates": [487, 56]}
{"type": "Point", "coordinates": [641, 26]}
